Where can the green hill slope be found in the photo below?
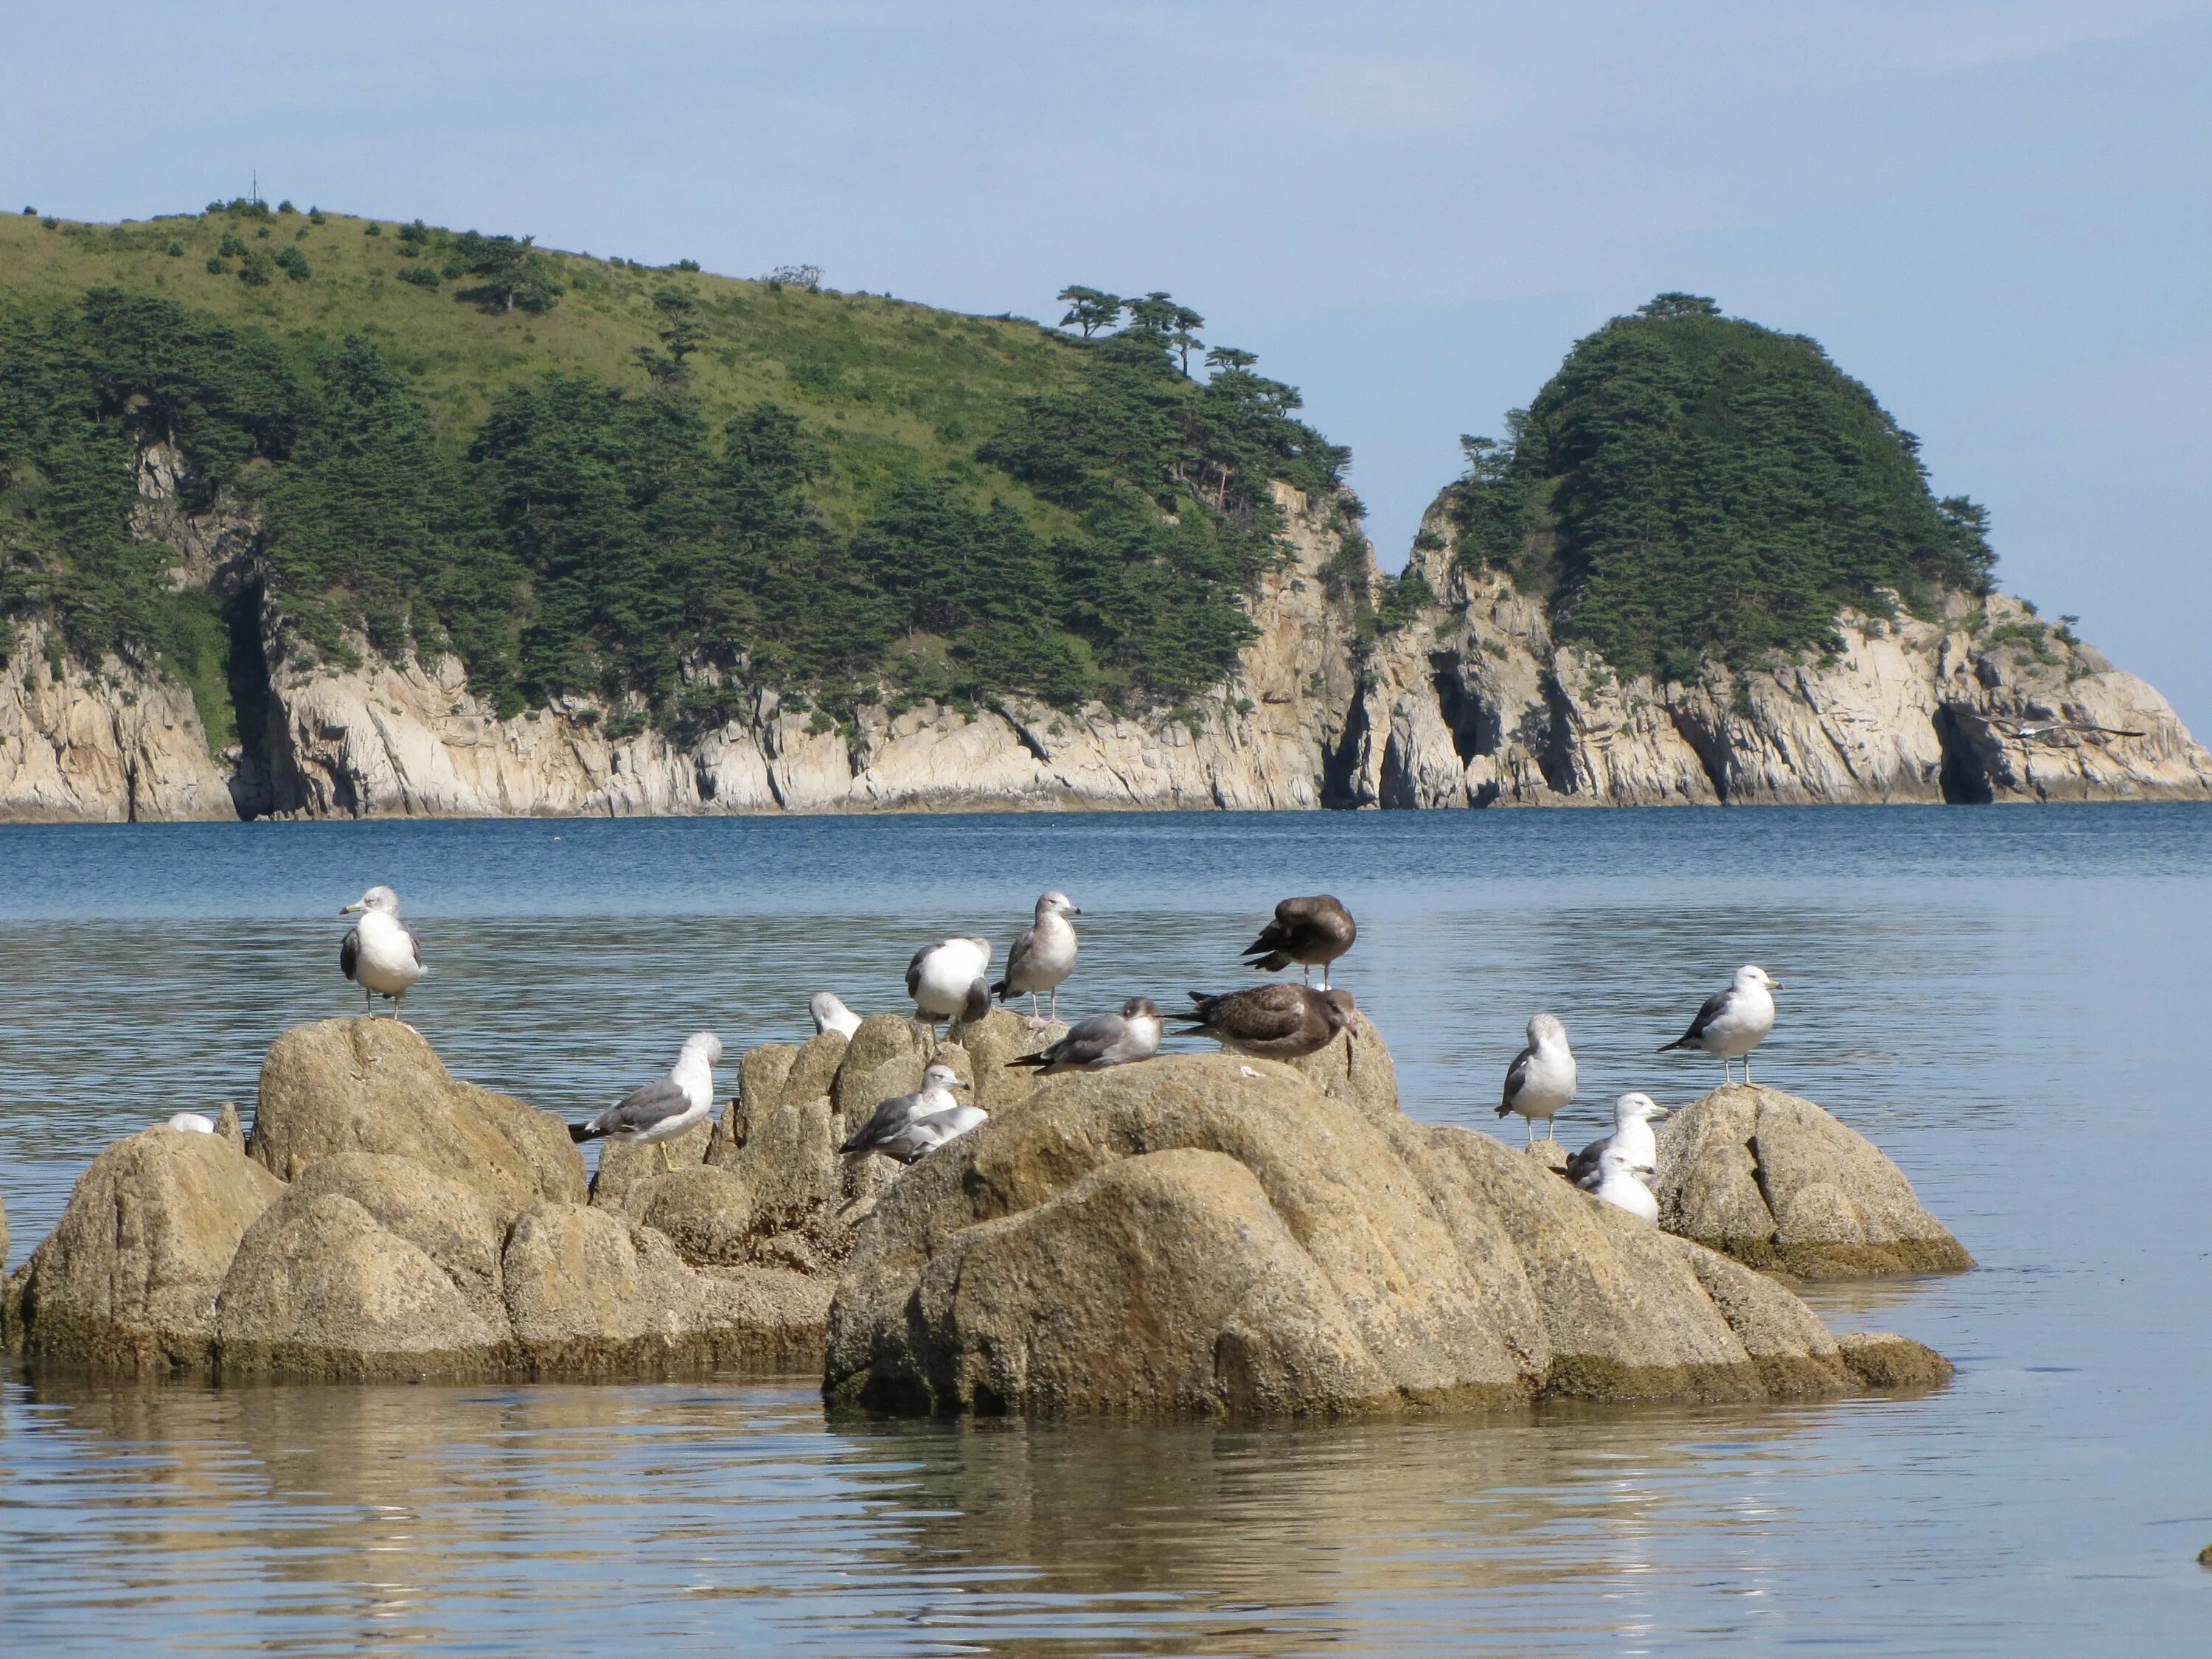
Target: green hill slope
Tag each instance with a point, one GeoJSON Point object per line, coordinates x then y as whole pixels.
{"type": "Point", "coordinates": [1690, 487]}
{"type": "Point", "coordinates": [653, 487]}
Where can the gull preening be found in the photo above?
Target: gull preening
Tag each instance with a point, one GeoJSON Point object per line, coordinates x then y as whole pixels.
{"type": "Point", "coordinates": [1632, 1135]}
{"type": "Point", "coordinates": [1102, 1040]}
{"type": "Point", "coordinates": [1310, 932]}
{"type": "Point", "coordinates": [947, 981]}
{"type": "Point", "coordinates": [907, 1127]}
{"type": "Point", "coordinates": [379, 952]}
{"type": "Point", "coordinates": [1733, 1022]}
{"type": "Point", "coordinates": [664, 1107]}
{"type": "Point", "coordinates": [1275, 1022]}
{"type": "Point", "coordinates": [1042, 955]}
{"type": "Point", "coordinates": [1620, 1183]}
{"type": "Point", "coordinates": [831, 1014]}
{"type": "Point", "coordinates": [1540, 1081]}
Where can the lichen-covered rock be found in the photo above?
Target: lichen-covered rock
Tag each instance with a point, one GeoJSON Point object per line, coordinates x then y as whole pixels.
{"type": "Point", "coordinates": [590, 1291]}
{"type": "Point", "coordinates": [1215, 1234]}
{"type": "Point", "coordinates": [626, 1170]}
{"type": "Point", "coordinates": [229, 1128]}
{"type": "Point", "coordinates": [1881, 1359]}
{"type": "Point", "coordinates": [705, 1212]}
{"type": "Point", "coordinates": [128, 1278]}
{"type": "Point", "coordinates": [376, 1085]}
{"type": "Point", "coordinates": [885, 1057]}
{"type": "Point", "coordinates": [322, 1289]}
{"type": "Point", "coordinates": [1355, 1066]}
{"type": "Point", "coordinates": [1779, 1183]}
{"type": "Point", "coordinates": [991, 1044]}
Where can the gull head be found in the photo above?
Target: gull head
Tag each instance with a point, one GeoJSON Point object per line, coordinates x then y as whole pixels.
{"type": "Point", "coordinates": [1612, 1161]}
{"type": "Point", "coordinates": [940, 1077]}
{"type": "Point", "coordinates": [1141, 1008]}
{"type": "Point", "coordinates": [1636, 1108]}
{"type": "Point", "coordinates": [1056, 904]}
{"type": "Point", "coordinates": [1752, 976]}
{"type": "Point", "coordinates": [382, 900]}
{"type": "Point", "coordinates": [706, 1043]}
{"type": "Point", "coordinates": [1337, 1009]}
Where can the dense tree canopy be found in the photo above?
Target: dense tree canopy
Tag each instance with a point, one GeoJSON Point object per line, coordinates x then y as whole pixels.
{"type": "Point", "coordinates": [1691, 487]}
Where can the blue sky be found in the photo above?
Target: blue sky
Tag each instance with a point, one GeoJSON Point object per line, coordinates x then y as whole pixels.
{"type": "Point", "coordinates": [1994, 214]}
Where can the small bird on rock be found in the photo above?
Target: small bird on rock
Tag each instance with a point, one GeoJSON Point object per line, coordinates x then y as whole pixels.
{"type": "Point", "coordinates": [379, 952]}
{"type": "Point", "coordinates": [1733, 1022]}
{"type": "Point", "coordinates": [1275, 1022]}
{"type": "Point", "coordinates": [1540, 1081]}
{"type": "Point", "coordinates": [1102, 1040]}
{"type": "Point", "coordinates": [1042, 957]}
{"type": "Point", "coordinates": [1620, 1183]}
{"type": "Point", "coordinates": [656, 1114]}
{"type": "Point", "coordinates": [947, 981]}
{"type": "Point", "coordinates": [1310, 932]}
{"type": "Point", "coordinates": [907, 1127]}
{"type": "Point", "coordinates": [1631, 1134]}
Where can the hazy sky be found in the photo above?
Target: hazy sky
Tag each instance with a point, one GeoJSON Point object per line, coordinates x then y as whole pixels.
{"type": "Point", "coordinates": [1994, 214]}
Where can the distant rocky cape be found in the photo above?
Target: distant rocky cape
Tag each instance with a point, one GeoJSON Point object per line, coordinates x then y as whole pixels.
{"type": "Point", "coordinates": [1470, 703]}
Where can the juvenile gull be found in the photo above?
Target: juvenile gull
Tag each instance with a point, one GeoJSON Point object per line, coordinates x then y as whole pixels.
{"type": "Point", "coordinates": [1631, 1134]}
{"type": "Point", "coordinates": [906, 1126]}
{"type": "Point", "coordinates": [1310, 932]}
{"type": "Point", "coordinates": [946, 980]}
{"type": "Point", "coordinates": [1541, 1079]}
{"type": "Point", "coordinates": [1621, 1182]}
{"type": "Point", "coordinates": [1042, 955]}
{"type": "Point", "coordinates": [1733, 1022]}
{"type": "Point", "coordinates": [1275, 1022]}
{"type": "Point", "coordinates": [379, 952]}
{"type": "Point", "coordinates": [831, 1014]}
{"type": "Point", "coordinates": [667, 1106]}
{"type": "Point", "coordinates": [1102, 1040]}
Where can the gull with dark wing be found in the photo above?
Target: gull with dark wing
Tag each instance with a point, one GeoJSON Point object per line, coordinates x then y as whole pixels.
{"type": "Point", "coordinates": [908, 1126]}
{"type": "Point", "coordinates": [1310, 932]}
{"type": "Point", "coordinates": [1042, 957]}
{"type": "Point", "coordinates": [947, 981]}
{"type": "Point", "coordinates": [2029, 730]}
{"type": "Point", "coordinates": [1631, 1134]}
{"type": "Point", "coordinates": [831, 1014]}
{"type": "Point", "coordinates": [1540, 1081]}
{"type": "Point", "coordinates": [664, 1108]}
{"type": "Point", "coordinates": [1275, 1022]}
{"type": "Point", "coordinates": [1733, 1022]}
{"type": "Point", "coordinates": [1102, 1040]}
{"type": "Point", "coordinates": [379, 952]}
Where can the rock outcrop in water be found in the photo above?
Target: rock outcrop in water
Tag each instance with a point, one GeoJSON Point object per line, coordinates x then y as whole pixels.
{"type": "Point", "coordinates": [1777, 1183]}
{"type": "Point", "coordinates": [1209, 1235]}
{"type": "Point", "coordinates": [1470, 702]}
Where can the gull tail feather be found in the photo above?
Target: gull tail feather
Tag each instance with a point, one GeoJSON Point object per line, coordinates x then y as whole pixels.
{"type": "Point", "coordinates": [580, 1132]}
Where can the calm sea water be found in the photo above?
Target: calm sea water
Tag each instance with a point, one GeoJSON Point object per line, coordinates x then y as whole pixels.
{"type": "Point", "coordinates": [2009, 1001]}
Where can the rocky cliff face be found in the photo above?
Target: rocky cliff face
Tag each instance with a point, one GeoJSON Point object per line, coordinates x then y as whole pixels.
{"type": "Point", "coordinates": [1471, 703]}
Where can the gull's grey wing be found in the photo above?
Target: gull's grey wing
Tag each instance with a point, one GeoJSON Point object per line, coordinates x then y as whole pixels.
{"type": "Point", "coordinates": [640, 1109]}
{"type": "Point", "coordinates": [1582, 1167]}
{"type": "Point", "coordinates": [914, 969]}
{"type": "Point", "coordinates": [1017, 958]}
{"type": "Point", "coordinates": [349, 952]}
{"type": "Point", "coordinates": [885, 1121]}
{"type": "Point", "coordinates": [1707, 1014]}
{"type": "Point", "coordinates": [1087, 1042]}
{"type": "Point", "coordinates": [1516, 1075]}
{"type": "Point", "coordinates": [413, 944]}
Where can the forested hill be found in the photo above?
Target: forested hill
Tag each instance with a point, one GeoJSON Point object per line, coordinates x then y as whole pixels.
{"type": "Point", "coordinates": [589, 477]}
{"type": "Point", "coordinates": [1691, 487]}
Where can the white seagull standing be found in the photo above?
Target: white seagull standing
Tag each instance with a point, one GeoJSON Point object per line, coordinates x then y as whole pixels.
{"type": "Point", "coordinates": [1541, 1079]}
{"type": "Point", "coordinates": [1620, 1183]}
{"type": "Point", "coordinates": [907, 1127]}
{"type": "Point", "coordinates": [667, 1106]}
{"type": "Point", "coordinates": [1042, 955]}
{"type": "Point", "coordinates": [1735, 1021]}
{"type": "Point", "coordinates": [1631, 1134]}
{"type": "Point", "coordinates": [379, 952]}
{"type": "Point", "coordinates": [946, 980]}
{"type": "Point", "coordinates": [831, 1014]}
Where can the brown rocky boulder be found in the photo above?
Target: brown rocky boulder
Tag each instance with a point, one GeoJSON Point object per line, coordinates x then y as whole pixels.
{"type": "Point", "coordinates": [128, 1278]}
{"type": "Point", "coordinates": [992, 1044]}
{"type": "Point", "coordinates": [625, 1171]}
{"type": "Point", "coordinates": [1216, 1234]}
{"type": "Point", "coordinates": [376, 1085]}
{"type": "Point", "coordinates": [1779, 1183]}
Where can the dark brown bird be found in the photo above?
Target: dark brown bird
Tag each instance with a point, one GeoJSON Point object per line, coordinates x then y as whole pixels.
{"type": "Point", "coordinates": [1275, 1022]}
{"type": "Point", "coordinates": [1310, 932]}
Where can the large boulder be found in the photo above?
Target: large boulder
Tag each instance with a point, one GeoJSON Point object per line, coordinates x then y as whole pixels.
{"type": "Point", "coordinates": [1218, 1234]}
{"type": "Point", "coordinates": [128, 1278]}
{"type": "Point", "coordinates": [376, 1085]}
{"type": "Point", "coordinates": [626, 1169]}
{"type": "Point", "coordinates": [1779, 1183]}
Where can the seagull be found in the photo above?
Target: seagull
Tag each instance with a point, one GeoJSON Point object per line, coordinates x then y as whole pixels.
{"type": "Point", "coordinates": [906, 1126]}
{"type": "Point", "coordinates": [194, 1123]}
{"type": "Point", "coordinates": [1102, 1040]}
{"type": "Point", "coordinates": [664, 1108]}
{"type": "Point", "coordinates": [1620, 1181]}
{"type": "Point", "coordinates": [1631, 1134]}
{"type": "Point", "coordinates": [1541, 1079]}
{"type": "Point", "coordinates": [1735, 1021]}
{"type": "Point", "coordinates": [946, 981]}
{"type": "Point", "coordinates": [2028, 731]}
{"type": "Point", "coordinates": [1310, 932]}
{"type": "Point", "coordinates": [1042, 957]}
{"type": "Point", "coordinates": [831, 1014]}
{"type": "Point", "coordinates": [379, 952]}
{"type": "Point", "coordinates": [1276, 1022]}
